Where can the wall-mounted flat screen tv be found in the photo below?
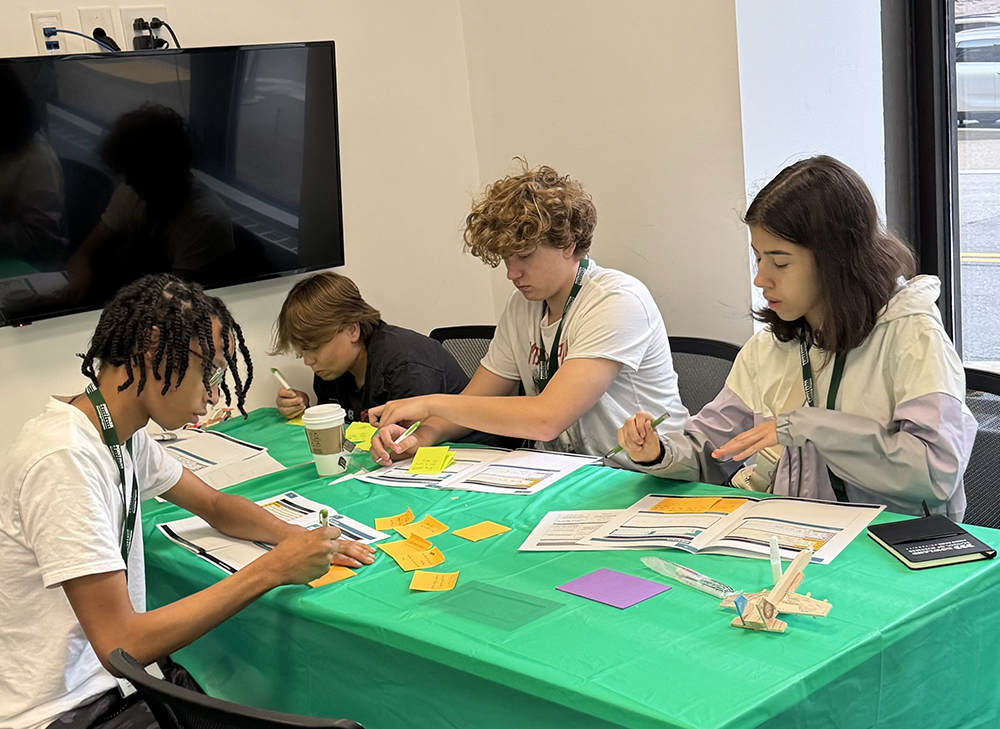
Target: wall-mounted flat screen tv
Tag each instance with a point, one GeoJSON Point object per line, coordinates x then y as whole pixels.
{"type": "Point", "coordinates": [220, 165]}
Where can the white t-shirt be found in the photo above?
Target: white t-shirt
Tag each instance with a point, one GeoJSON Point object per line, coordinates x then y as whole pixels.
{"type": "Point", "coordinates": [61, 517]}
{"type": "Point", "coordinates": [613, 317]}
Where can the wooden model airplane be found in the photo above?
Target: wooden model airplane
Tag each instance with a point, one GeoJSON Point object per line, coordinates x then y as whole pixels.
{"type": "Point", "coordinates": [759, 610]}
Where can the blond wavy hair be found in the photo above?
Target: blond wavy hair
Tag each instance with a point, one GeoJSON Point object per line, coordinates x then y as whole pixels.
{"type": "Point", "coordinates": [537, 207]}
{"type": "Point", "coordinates": [317, 309]}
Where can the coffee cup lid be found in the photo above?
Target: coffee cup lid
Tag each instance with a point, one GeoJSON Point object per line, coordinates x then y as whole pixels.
{"type": "Point", "coordinates": [330, 413]}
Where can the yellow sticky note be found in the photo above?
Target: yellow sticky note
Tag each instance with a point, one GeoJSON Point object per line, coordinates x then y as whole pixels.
{"type": "Point", "coordinates": [482, 530]}
{"type": "Point", "coordinates": [430, 460]}
{"type": "Point", "coordinates": [433, 581]}
{"type": "Point", "coordinates": [412, 544]}
{"type": "Point", "coordinates": [295, 421]}
{"type": "Point", "coordinates": [427, 527]}
{"type": "Point", "coordinates": [336, 574]}
{"type": "Point", "coordinates": [360, 434]}
{"type": "Point", "coordinates": [678, 505]}
{"type": "Point", "coordinates": [389, 522]}
{"type": "Point", "coordinates": [420, 560]}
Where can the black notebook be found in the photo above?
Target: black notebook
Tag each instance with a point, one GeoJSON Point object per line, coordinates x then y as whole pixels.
{"type": "Point", "coordinates": [930, 541]}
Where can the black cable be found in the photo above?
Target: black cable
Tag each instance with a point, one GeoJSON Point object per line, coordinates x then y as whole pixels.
{"type": "Point", "coordinates": [103, 37]}
{"type": "Point", "coordinates": [156, 24]}
{"type": "Point", "coordinates": [88, 37]}
{"type": "Point", "coordinates": [167, 26]}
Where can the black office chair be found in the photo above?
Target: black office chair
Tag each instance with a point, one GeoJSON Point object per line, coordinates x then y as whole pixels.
{"type": "Point", "coordinates": [174, 707]}
{"type": "Point", "coordinates": [982, 489]}
{"type": "Point", "coordinates": [468, 345]}
{"type": "Point", "coordinates": [702, 366]}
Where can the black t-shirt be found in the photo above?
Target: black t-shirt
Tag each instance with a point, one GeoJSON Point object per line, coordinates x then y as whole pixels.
{"type": "Point", "coordinates": [401, 363]}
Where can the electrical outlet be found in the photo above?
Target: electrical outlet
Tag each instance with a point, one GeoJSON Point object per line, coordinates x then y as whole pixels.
{"type": "Point", "coordinates": [43, 25]}
{"type": "Point", "coordinates": [98, 17]}
{"type": "Point", "coordinates": [128, 15]}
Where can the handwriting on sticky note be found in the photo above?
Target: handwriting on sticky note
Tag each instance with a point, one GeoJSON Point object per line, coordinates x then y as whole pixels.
{"type": "Point", "coordinates": [430, 460]}
{"type": "Point", "coordinates": [420, 560]}
{"type": "Point", "coordinates": [680, 505]}
{"type": "Point", "coordinates": [427, 527]}
{"type": "Point", "coordinates": [390, 522]}
{"type": "Point", "coordinates": [433, 581]}
{"type": "Point", "coordinates": [482, 530]}
{"type": "Point", "coordinates": [335, 574]}
{"type": "Point", "coordinates": [412, 544]}
{"type": "Point", "coordinates": [361, 434]}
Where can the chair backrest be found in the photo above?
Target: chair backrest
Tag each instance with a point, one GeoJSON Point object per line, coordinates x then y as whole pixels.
{"type": "Point", "coordinates": [175, 707]}
{"type": "Point", "coordinates": [468, 345]}
{"type": "Point", "coordinates": [702, 366]}
{"type": "Point", "coordinates": [982, 487]}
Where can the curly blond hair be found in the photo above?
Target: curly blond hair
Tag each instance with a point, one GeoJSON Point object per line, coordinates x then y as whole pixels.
{"type": "Point", "coordinates": [538, 207]}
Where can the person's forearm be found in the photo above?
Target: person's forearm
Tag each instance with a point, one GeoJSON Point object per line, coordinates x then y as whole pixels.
{"type": "Point", "coordinates": [436, 430]}
{"type": "Point", "coordinates": [238, 517]}
{"type": "Point", "coordinates": [532, 418]}
{"type": "Point", "coordinates": [149, 636]}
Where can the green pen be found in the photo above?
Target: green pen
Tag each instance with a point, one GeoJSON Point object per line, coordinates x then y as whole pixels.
{"type": "Point", "coordinates": [617, 449]}
{"type": "Point", "coordinates": [408, 433]}
{"type": "Point", "coordinates": [324, 517]}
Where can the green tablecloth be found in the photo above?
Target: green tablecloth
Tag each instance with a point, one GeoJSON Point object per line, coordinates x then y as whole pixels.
{"type": "Point", "coordinates": [899, 648]}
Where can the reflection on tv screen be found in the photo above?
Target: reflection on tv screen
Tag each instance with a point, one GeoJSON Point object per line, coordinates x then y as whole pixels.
{"type": "Point", "coordinates": [220, 165]}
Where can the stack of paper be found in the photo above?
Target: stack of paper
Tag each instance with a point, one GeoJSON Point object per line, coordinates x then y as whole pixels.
{"type": "Point", "coordinates": [487, 470]}
{"type": "Point", "coordinates": [221, 460]}
{"type": "Point", "coordinates": [231, 554]}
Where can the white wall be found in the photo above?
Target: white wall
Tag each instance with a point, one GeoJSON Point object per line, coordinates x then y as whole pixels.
{"type": "Point", "coordinates": [409, 171]}
{"type": "Point", "coordinates": [639, 100]}
{"type": "Point", "coordinates": [811, 83]}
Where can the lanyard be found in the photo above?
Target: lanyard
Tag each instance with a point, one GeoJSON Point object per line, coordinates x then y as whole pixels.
{"type": "Point", "coordinates": [831, 400]}
{"type": "Point", "coordinates": [111, 440]}
{"type": "Point", "coordinates": [547, 366]}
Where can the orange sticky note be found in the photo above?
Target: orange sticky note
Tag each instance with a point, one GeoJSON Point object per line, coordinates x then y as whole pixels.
{"type": "Point", "coordinates": [433, 581]}
{"type": "Point", "coordinates": [412, 544]}
{"type": "Point", "coordinates": [388, 522]}
{"type": "Point", "coordinates": [727, 505]}
{"type": "Point", "coordinates": [427, 527]}
{"type": "Point", "coordinates": [482, 530]}
{"type": "Point", "coordinates": [678, 505]}
{"type": "Point", "coordinates": [335, 574]}
{"type": "Point", "coordinates": [420, 560]}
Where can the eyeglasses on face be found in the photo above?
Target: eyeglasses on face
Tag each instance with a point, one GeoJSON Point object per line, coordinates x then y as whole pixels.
{"type": "Point", "coordinates": [217, 376]}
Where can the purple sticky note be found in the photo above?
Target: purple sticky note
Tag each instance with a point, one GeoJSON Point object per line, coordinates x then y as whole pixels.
{"type": "Point", "coordinates": [613, 588]}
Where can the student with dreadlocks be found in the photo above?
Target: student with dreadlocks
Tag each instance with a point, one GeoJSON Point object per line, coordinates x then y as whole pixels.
{"type": "Point", "coordinates": [71, 557]}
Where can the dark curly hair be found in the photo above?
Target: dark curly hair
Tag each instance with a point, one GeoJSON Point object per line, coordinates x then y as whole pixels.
{"type": "Point", "coordinates": [181, 311]}
{"type": "Point", "coordinates": [537, 207]}
{"type": "Point", "coordinates": [823, 205]}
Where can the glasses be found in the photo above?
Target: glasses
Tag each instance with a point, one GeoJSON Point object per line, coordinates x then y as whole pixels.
{"type": "Point", "coordinates": [217, 376]}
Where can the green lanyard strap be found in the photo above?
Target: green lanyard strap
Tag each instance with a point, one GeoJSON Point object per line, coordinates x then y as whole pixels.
{"type": "Point", "coordinates": [111, 440]}
{"type": "Point", "coordinates": [831, 401]}
{"type": "Point", "coordinates": [547, 366]}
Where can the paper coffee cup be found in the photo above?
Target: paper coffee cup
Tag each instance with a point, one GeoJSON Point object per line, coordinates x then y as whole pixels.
{"type": "Point", "coordinates": [325, 434]}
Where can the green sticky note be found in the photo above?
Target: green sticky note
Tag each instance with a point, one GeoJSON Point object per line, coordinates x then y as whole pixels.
{"type": "Point", "coordinates": [494, 606]}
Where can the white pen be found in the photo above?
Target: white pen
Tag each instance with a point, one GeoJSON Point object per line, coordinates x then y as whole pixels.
{"type": "Point", "coordinates": [406, 434]}
{"type": "Point", "coordinates": [280, 378]}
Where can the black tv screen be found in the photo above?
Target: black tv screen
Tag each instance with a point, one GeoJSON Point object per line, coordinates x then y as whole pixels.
{"type": "Point", "coordinates": [220, 165]}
